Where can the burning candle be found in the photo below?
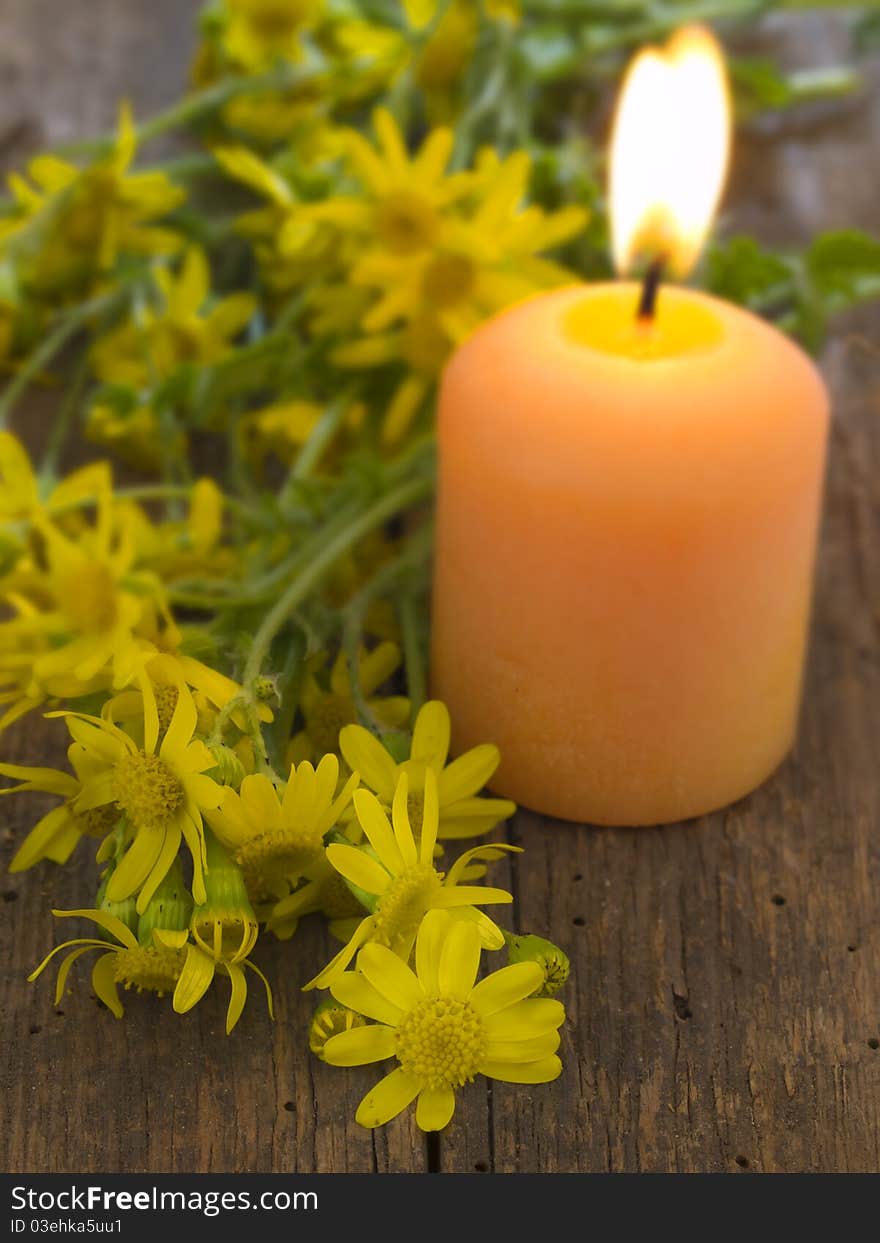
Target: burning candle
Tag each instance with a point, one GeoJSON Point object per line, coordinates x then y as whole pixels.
{"type": "Point", "coordinates": [630, 481]}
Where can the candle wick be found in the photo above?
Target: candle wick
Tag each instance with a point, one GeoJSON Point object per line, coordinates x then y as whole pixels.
{"type": "Point", "coordinates": [650, 289]}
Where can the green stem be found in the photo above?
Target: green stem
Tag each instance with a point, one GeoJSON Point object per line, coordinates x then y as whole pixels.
{"type": "Point", "coordinates": [43, 355]}
{"type": "Point", "coordinates": [400, 498]}
{"type": "Point", "coordinates": [322, 434]}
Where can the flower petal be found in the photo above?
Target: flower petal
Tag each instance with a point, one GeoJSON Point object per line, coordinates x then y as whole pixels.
{"type": "Point", "coordinates": [104, 920]}
{"type": "Point", "coordinates": [194, 981]}
{"type": "Point", "coordinates": [358, 867]}
{"type": "Point", "coordinates": [459, 960]}
{"type": "Point", "coordinates": [104, 983]}
{"type": "Point", "coordinates": [354, 990]}
{"type": "Point", "coordinates": [506, 986]}
{"type": "Point", "coordinates": [136, 864]}
{"type": "Point", "coordinates": [469, 773]}
{"type": "Point", "coordinates": [543, 1071]}
{"type": "Point", "coordinates": [390, 976]}
{"type": "Point", "coordinates": [237, 995]}
{"type": "Point", "coordinates": [365, 754]}
{"type": "Point", "coordinates": [360, 1045]}
{"type": "Point", "coordinates": [387, 1099]}
{"type": "Point", "coordinates": [525, 1019]}
{"type": "Point", "coordinates": [430, 817]}
{"type": "Point", "coordinates": [430, 743]}
{"type": "Point", "coordinates": [400, 820]}
{"type": "Point", "coordinates": [530, 1050]}
{"type": "Point", "coordinates": [435, 1108]}
{"type": "Point", "coordinates": [375, 824]}
{"type": "Point", "coordinates": [470, 895]}
{"type": "Point", "coordinates": [340, 961]}
{"type": "Point", "coordinates": [432, 933]}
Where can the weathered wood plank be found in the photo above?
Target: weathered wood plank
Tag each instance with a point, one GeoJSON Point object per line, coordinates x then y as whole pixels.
{"type": "Point", "coordinates": [725, 1000]}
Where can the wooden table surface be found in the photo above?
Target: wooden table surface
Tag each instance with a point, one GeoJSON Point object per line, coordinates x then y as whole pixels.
{"type": "Point", "coordinates": [724, 1009]}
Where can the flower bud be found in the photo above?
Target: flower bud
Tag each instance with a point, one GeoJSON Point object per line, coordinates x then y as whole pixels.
{"type": "Point", "coordinates": [549, 957]}
{"type": "Point", "coordinates": [229, 770]}
{"type": "Point", "coordinates": [170, 907]}
{"type": "Point", "coordinates": [225, 925]}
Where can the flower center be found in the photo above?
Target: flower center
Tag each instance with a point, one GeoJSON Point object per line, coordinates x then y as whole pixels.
{"type": "Point", "coordinates": [88, 597]}
{"type": "Point", "coordinates": [98, 821]}
{"type": "Point", "coordinates": [326, 719]}
{"type": "Point", "coordinates": [441, 1041]}
{"type": "Point", "coordinates": [166, 702]}
{"type": "Point", "coordinates": [406, 222]}
{"type": "Point", "coordinates": [146, 789]}
{"type": "Point", "coordinates": [448, 279]}
{"type": "Point", "coordinates": [337, 900]}
{"type": "Point", "coordinates": [425, 346]}
{"type": "Point", "coordinates": [151, 968]}
{"type": "Point", "coordinates": [270, 858]}
{"type": "Point", "coordinates": [402, 906]}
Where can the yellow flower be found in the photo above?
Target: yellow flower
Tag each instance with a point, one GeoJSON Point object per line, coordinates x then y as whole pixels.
{"type": "Point", "coordinates": [154, 966]}
{"type": "Point", "coordinates": [442, 1027]}
{"type": "Point", "coordinates": [184, 328]}
{"type": "Point", "coordinates": [400, 883]}
{"type": "Point", "coordinates": [21, 498]}
{"type": "Point", "coordinates": [404, 197]}
{"type": "Point", "coordinates": [293, 247]}
{"type": "Point", "coordinates": [160, 787]}
{"type": "Point", "coordinates": [438, 256]}
{"type": "Point", "coordinates": [84, 611]}
{"type": "Point", "coordinates": [260, 32]}
{"type": "Point", "coordinates": [190, 547]}
{"type": "Point", "coordinates": [326, 710]}
{"type": "Point", "coordinates": [275, 840]}
{"type": "Point", "coordinates": [322, 890]}
{"type": "Point", "coordinates": [57, 833]}
{"type": "Point", "coordinates": [461, 813]}
{"type": "Point", "coordinates": [70, 224]}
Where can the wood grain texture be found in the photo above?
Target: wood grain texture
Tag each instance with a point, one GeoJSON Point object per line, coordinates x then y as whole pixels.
{"type": "Point", "coordinates": [725, 998]}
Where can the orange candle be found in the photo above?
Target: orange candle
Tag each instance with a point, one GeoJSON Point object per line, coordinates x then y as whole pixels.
{"type": "Point", "coordinates": [626, 531]}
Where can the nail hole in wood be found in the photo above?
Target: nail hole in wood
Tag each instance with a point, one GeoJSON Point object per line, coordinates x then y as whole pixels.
{"type": "Point", "coordinates": [289, 1106]}
{"type": "Point", "coordinates": [578, 876]}
{"type": "Point", "coordinates": [681, 1007]}
{"type": "Point", "coordinates": [35, 1029]}
{"type": "Point", "coordinates": [778, 899]}
{"type": "Point", "coordinates": [874, 1043]}
{"type": "Point", "coordinates": [10, 895]}
{"type": "Point", "coordinates": [852, 948]}
{"type": "Point", "coordinates": [579, 921]}
{"type": "Point", "coordinates": [742, 1162]}
{"type": "Point", "coordinates": [60, 1013]}
{"type": "Point", "coordinates": [481, 1167]}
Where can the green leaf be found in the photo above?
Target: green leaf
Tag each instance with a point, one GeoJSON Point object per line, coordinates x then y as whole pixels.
{"type": "Point", "coordinates": [742, 272]}
{"type": "Point", "coordinates": [844, 268]}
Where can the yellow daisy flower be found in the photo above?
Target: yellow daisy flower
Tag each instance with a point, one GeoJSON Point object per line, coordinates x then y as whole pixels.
{"type": "Point", "coordinates": [161, 788]}
{"type": "Point", "coordinates": [326, 709]}
{"type": "Point", "coordinates": [404, 197]}
{"type": "Point", "coordinates": [21, 498]}
{"type": "Point", "coordinates": [57, 833]}
{"type": "Point", "coordinates": [461, 813]}
{"type": "Point", "coordinates": [84, 218]}
{"type": "Point", "coordinates": [273, 839]}
{"type": "Point", "coordinates": [184, 328]}
{"type": "Point", "coordinates": [82, 604]}
{"type": "Point", "coordinates": [399, 882]}
{"type": "Point", "coordinates": [259, 32]}
{"type": "Point", "coordinates": [443, 1028]}
{"type": "Point", "coordinates": [322, 890]}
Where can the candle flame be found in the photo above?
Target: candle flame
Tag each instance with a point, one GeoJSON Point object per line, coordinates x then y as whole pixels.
{"type": "Point", "coordinates": [669, 152]}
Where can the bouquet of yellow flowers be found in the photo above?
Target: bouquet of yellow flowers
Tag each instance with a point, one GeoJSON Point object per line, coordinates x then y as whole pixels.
{"type": "Point", "coordinates": [230, 630]}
